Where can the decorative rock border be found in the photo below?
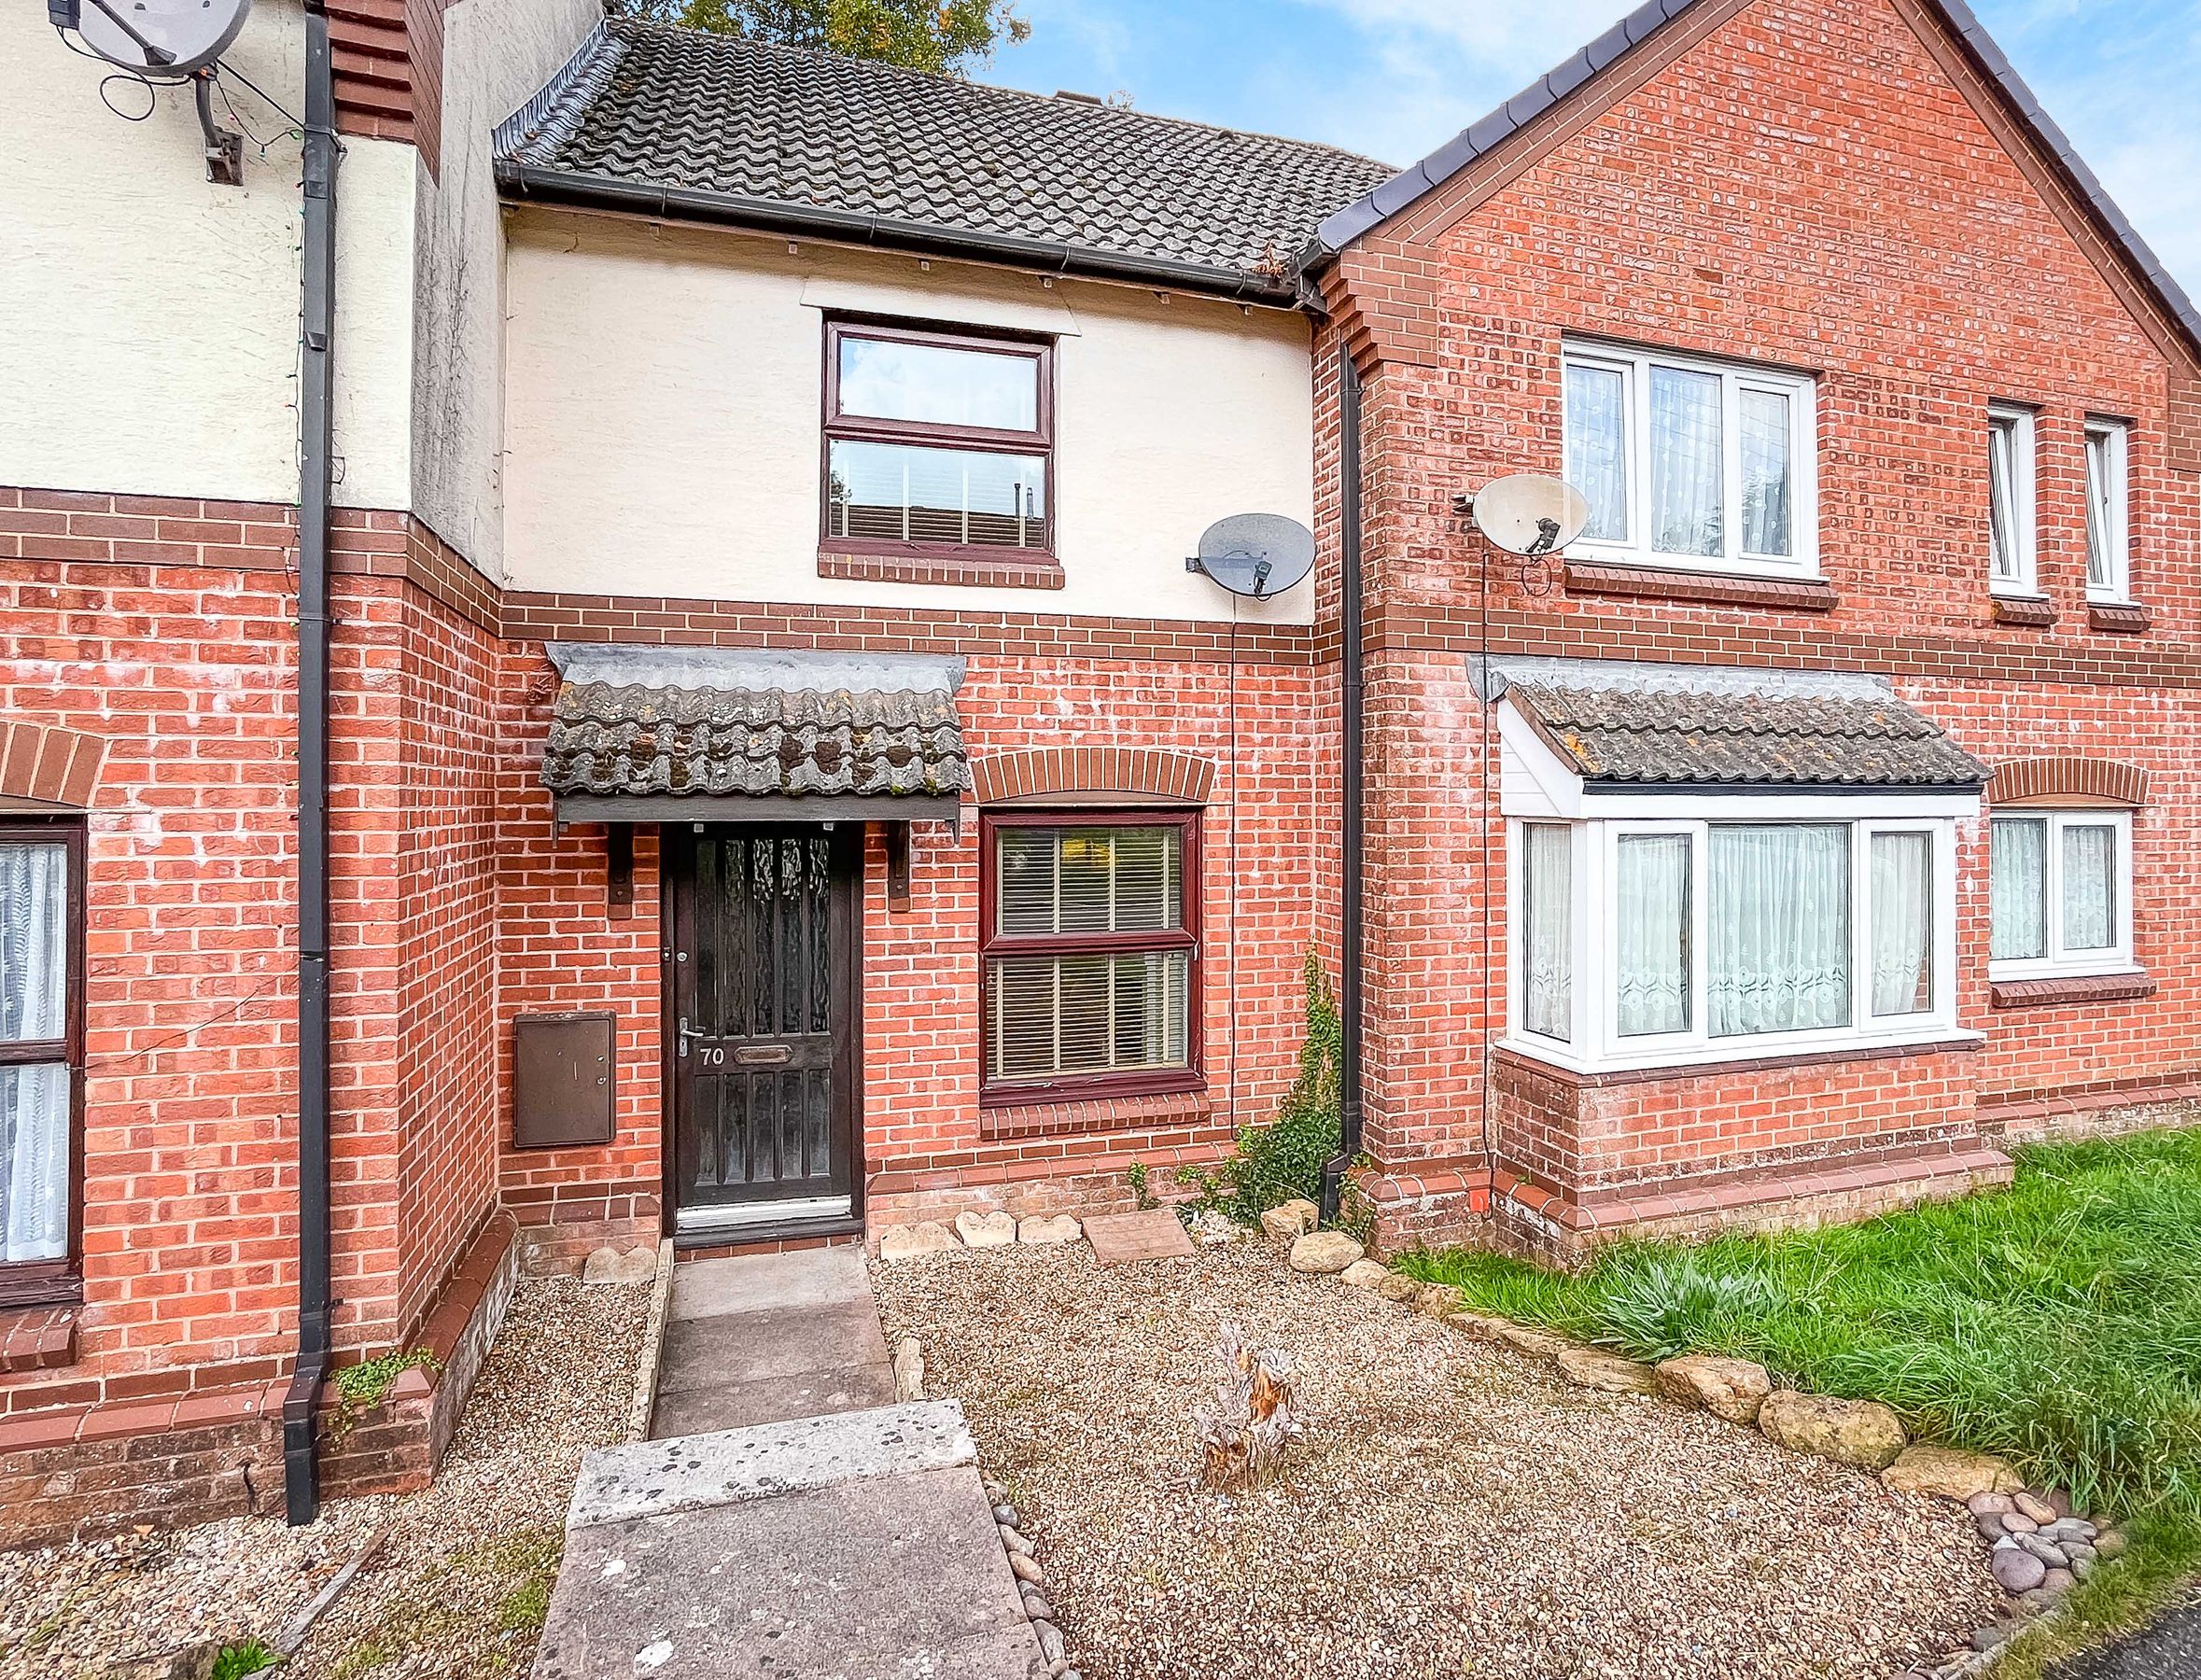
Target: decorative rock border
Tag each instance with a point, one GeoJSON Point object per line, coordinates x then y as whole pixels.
{"type": "Point", "coordinates": [2039, 1547]}
{"type": "Point", "coordinates": [1032, 1582]}
{"type": "Point", "coordinates": [977, 1228]}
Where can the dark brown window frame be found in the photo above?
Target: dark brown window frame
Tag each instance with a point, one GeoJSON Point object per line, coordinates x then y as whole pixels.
{"type": "Point", "coordinates": [50, 1282]}
{"type": "Point", "coordinates": [993, 1093]}
{"type": "Point", "coordinates": [939, 558]}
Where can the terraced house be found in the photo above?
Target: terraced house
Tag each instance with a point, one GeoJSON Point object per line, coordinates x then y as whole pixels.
{"type": "Point", "coordinates": [722, 741]}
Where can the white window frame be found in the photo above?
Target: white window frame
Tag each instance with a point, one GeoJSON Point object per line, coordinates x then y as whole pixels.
{"type": "Point", "coordinates": [2023, 499]}
{"type": "Point", "coordinates": [1595, 1044]}
{"type": "Point", "coordinates": [2115, 958]}
{"type": "Point", "coordinates": [2116, 497]}
{"type": "Point", "coordinates": [1635, 367]}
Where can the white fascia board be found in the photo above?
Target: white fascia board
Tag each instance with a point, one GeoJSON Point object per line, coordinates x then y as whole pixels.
{"type": "Point", "coordinates": [1778, 804]}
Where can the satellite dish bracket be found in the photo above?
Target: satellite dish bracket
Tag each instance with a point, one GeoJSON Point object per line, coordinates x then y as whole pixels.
{"type": "Point", "coordinates": [225, 147]}
{"type": "Point", "coordinates": [1262, 568]}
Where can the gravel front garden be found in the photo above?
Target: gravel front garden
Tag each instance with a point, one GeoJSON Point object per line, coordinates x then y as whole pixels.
{"type": "Point", "coordinates": [459, 1583]}
{"type": "Point", "coordinates": [1454, 1511]}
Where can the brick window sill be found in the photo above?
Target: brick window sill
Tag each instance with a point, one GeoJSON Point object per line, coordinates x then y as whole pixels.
{"type": "Point", "coordinates": [1070, 1116]}
{"type": "Point", "coordinates": [981, 570]}
{"type": "Point", "coordinates": [38, 1339]}
{"type": "Point", "coordinates": [2036, 612]}
{"type": "Point", "coordinates": [2071, 989]}
{"type": "Point", "coordinates": [1792, 595]}
{"type": "Point", "coordinates": [2118, 617]}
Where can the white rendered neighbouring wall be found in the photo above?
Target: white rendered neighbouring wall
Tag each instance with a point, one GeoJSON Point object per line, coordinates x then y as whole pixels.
{"type": "Point", "coordinates": [664, 419]}
{"type": "Point", "coordinates": [149, 318]}
{"type": "Point", "coordinates": [496, 54]}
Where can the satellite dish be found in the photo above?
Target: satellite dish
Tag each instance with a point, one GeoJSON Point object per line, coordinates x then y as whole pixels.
{"type": "Point", "coordinates": [160, 37]}
{"type": "Point", "coordinates": [1529, 513]}
{"type": "Point", "coordinates": [1254, 554]}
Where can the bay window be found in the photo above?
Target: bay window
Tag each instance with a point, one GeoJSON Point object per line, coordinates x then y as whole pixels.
{"type": "Point", "coordinates": [41, 966]}
{"type": "Point", "coordinates": [2062, 890]}
{"type": "Point", "coordinates": [1691, 463]}
{"type": "Point", "coordinates": [936, 442]}
{"type": "Point", "coordinates": [2109, 545]}
{"type": "Point", "coordinates": [1089, 954]}
{"type": "Point", "coordinates": [1723, 939]}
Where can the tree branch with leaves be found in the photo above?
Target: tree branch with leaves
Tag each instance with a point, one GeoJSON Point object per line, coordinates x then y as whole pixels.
{"type": "Point", "coordinates": [946, 37]}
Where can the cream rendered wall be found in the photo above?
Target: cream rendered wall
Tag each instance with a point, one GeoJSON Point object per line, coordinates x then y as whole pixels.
{"type": "Point", "coordinates": [149, 318]}
{"type": "Point", "coordinates": [496, 54]}
{"type": "Point", "coordinates": [663, 419]}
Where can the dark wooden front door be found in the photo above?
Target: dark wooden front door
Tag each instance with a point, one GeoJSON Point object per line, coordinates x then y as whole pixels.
{"type": "Point", "coordinates": [763, 1031]}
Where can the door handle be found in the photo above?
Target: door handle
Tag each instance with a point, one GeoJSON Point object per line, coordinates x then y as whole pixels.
{"type": "Point", "coordinates": [684, 1033]}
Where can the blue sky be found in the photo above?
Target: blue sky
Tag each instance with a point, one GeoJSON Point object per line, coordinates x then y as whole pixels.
{"type": "Point", "coordinates": [1395, 78]}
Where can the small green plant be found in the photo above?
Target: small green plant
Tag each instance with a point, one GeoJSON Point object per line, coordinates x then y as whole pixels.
{"type": "Point", "coordinates": [1274, 1163]}
{"type": "Point", "coordinates": [525, 1607]}
{"type": "Point", "coordinates": [244, 1657]}
{"type": "Point", "coordinates": [362, 1658]}
{"type": "Point", "coordinates": [1135, 1176]}
{"type": "Point", "coordinates": [1674, 1303]}
{"type": "Point", "coordinates": [362, 1387]}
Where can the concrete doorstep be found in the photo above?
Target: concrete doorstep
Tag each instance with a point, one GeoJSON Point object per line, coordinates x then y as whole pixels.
{"type": "Point", "coordinates": [857, 1546]}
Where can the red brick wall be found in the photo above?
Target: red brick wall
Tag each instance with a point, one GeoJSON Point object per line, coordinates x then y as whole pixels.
{"type": "Point", "coordinates": [447, 881]}
{"type": "Point", "coordinates": [164, 629]}
{"type": "Point", "coordinates": [926, 1150]}
{"type": "Point", "coordinates": [191, 1084]}
{"type": "Point", "coordinates": [1259, 888]}
{"type": "Point", "coordinates": [560, 950]}
{"type": "Point", "coordinates": [1804, 184]}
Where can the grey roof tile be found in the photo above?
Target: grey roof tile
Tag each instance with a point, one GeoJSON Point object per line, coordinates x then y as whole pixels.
{"type": "Point", "coordinates": [653, 107]}
{"type": "Point", "coordinates": [645, 739]}
{"type": "Point", "coordinates": [1727, 735]}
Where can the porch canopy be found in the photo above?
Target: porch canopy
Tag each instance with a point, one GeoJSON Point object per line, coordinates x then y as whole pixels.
{"type": "Point", "coordinates": [646, 734]}
{"type": "Point", "coordinates": [1581, 736]}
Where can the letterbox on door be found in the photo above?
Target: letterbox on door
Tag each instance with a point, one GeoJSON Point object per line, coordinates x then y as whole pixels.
{"type": "Point", "coordinates": [564, 1079]}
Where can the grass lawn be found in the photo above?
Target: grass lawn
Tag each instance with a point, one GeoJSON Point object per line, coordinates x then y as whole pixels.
{"type": "Point", "coordinates": [2056, 1323]}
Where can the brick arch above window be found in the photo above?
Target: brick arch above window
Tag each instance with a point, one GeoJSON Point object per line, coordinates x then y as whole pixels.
{"type": "Point", "coordinates": [2092, 781]}
{"type": "Point", "coordinates": [58, 768]}
{"type": "Point", "coordinates": [1093, 770]}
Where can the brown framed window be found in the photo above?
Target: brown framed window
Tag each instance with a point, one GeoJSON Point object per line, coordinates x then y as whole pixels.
{"type": "Point", "coordinates": [41, 1056]}
{"type": "Point", "coordinates": [1089, 971]}
{"type": "Point", "coordinates": [937, 443]}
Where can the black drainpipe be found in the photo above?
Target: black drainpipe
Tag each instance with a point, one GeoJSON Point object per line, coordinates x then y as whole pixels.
{"type": "Point", "coordinates": [317, 317]}
{"type": "Point", "coordinates": [1351, 957]}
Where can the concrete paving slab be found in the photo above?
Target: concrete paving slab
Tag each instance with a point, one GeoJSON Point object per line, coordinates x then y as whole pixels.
{"type": "Point", "coordinates": [776, 1341]}
{"type": "Point", "coordinates": [737, 1466]}
{"type": "Point", "coordinates": [1156, 1235]}
{"type": "Point", "coordinates": [889, 1578]}
{"type": "Point", "coordinates": [748, 1283]}
{"type": "Point", "coordinates": [742, 1405]}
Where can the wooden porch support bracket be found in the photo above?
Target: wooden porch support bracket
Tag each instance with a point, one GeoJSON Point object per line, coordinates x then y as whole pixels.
{"type": "Point", "coordinates": [619, 874]}
{"type": "Point", "coordinates": [897, 865]}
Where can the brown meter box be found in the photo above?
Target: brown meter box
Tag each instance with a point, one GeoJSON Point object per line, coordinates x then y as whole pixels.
{"type": "Point", "coordinates": [564, 1079]}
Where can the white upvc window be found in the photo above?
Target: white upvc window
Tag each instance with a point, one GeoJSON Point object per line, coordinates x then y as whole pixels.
{"type": "Point", "coordinates": [2010, 441]}
{"type": "Point", "coordinates": [2062, 892]}
{"type": "Point", "coordinates": [1669, 940]}
{"type": "Point", "coordinates": [2108, 519]}
{"type": "Point", "coordinates": [1689, 463]}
